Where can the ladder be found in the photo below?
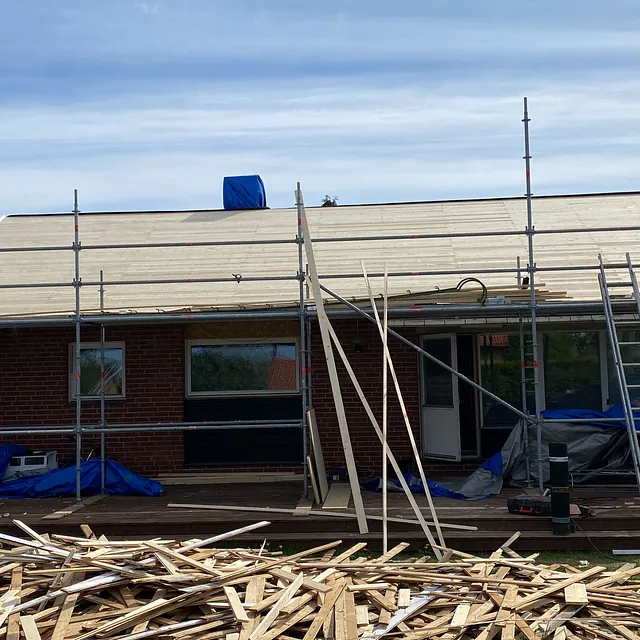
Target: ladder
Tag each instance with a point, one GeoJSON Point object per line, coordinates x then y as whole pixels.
{"type": "Point", "coordinates": [618, 347]}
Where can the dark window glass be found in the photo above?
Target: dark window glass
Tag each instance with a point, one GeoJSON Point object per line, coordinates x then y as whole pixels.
{"type": "Point", "coordinates": [572, 370]}
{"type": "Point", "coordinates": [237, 368]}
{"type": "Point", "coordinates": [501, 370]}
{"type": "Point", "coordinates": [438, 381]}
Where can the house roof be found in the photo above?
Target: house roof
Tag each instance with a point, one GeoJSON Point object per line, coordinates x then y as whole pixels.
{"type": "Point", "coordinates": [333, 258]}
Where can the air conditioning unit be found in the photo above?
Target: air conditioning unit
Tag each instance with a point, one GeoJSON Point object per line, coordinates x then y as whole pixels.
{"type": "Point", "coordinates": [34, 464]}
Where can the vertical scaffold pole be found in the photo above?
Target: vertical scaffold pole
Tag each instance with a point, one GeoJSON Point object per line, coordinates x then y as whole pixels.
{"type": "Point", "coordinates": [78, 361]}
{"type": "Point", "coordinates": [523, 376]}
{"type": "Point", "coordinates": [531, 268]}
{"type": "Point", "coordinates": [303, 353]}
{"type": "Point", "coordinates": [103, 413]}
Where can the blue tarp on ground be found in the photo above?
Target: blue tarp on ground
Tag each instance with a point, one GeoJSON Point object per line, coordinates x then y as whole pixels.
{"type": "Point", "coordinates": [119, 481]}
{"type": "Point", "coordinates": [415, 484]}
{"type": "Point", "coordinates": [7, 451]}
{"type": "Point", "coordinates": [244, 192]}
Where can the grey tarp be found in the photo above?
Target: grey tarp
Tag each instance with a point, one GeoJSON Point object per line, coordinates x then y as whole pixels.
{"type": "Point", "coordinates": [592, 448]}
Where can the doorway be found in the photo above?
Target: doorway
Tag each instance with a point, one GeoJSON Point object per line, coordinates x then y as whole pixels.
{"type": "Point", "coordinates": [449, 413]}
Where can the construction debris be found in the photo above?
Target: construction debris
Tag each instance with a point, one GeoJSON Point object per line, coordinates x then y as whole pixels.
{"type": "Point", "coordinates": [72, 588]}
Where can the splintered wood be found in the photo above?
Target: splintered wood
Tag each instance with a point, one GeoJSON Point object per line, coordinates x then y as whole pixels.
{"type": "Point", "coordinates": [80, 588]}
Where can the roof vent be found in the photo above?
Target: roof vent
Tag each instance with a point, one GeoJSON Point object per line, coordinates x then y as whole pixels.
{"type": "Point", "coordinates": [244, 192]}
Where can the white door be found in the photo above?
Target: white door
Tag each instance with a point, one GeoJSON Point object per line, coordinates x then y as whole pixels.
{"type": "Point", "coordinates": [440, 401]}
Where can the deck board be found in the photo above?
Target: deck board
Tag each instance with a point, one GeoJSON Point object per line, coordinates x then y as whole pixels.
{"type": "Point", "coordinates": [617, 519]}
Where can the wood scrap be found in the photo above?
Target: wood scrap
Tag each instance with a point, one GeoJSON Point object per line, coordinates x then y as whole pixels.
{"type": "Point", "coordinates": [60, 588]}
{"type": "Point", "coordinates": [316, 448]}
{"type": "Point", "coordinates": [338, 496]}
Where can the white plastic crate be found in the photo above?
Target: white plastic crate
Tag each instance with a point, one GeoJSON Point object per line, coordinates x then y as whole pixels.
{"type": "Point", "coordinates": [34, 464]}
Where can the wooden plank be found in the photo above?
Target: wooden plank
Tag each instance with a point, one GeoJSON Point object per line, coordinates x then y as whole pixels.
{"type": "Point", "coordinates": [340, 612]}
{"type": "Point", "coordinates": [404, 598]}
{"type": "Point", "coordinates": [316, 513]}
{"type": "Point", "coordinates": [236, 606]}
{"type": "Point", "coordinates": [13, 622]}
{"type": "Point", "coordinates": [314, 481]}
{"type": "Point", "coordinates": [284, 599]}
{"type": "Point", "coordinates": [362, 615]}
{"type": "Point", "coordinates": [30, 628]}
{"type": "Point", "coordinates": [325, 610]}
{"type": "Point", "coordinates": [304, 504]}
{"type": "Point", "coordinates": [511, 540]}
{"type": "Point", "coordinates": [385, 412]}
{"type": "Point", "coordinates": [460, 615]}
{"type": "Point", "coordinates": [323, 322]}
{"type": "Point", "coordinates": [253, 596]}
{"type": "Point", "coordinates": [576, 593]}
{"type": "Point", "coordinates": [318, 456]}
{"type": "Point", "coordinates": [338, 496]}
{"type": "Point", "coordinates": [57, 515]}
{"type": "Point", "coordinates": [62, 624]}
{"type": "Point", "coordinates": [559, 586]}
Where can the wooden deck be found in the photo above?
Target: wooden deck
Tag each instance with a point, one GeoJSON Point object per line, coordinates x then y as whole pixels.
{"type": "Point", "coordinates": [616, 524]}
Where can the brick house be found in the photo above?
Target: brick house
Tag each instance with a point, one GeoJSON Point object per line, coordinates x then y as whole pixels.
{"type": "Point", "coordinates": [212, 333]}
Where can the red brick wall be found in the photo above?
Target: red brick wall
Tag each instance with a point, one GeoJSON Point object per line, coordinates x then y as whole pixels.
{"type": "Point", "coordinates": [368, 367]}
{"type": "Point", "coordinates": [34, 390]}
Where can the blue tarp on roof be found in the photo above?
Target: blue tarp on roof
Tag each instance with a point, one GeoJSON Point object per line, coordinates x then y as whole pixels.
{"type": "Point", "coordinates": [119, 481]}
{"type": "Point", "coordinates": [244, 192]}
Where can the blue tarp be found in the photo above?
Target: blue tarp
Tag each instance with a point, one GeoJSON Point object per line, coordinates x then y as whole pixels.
{"type": "Point", "coordinates": [244, 192]}
{"type": "Point", "coordinates": [415, 484]}
{"type": "Point", "coordinates": [7, 451]}
{"type": "Point", "coordinates": [617, 411]}
{"type": "Point", "coordinates": [119, 481]}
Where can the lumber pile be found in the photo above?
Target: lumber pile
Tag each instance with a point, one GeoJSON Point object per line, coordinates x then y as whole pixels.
{"type": "Point", "coordinates": [80, 588]}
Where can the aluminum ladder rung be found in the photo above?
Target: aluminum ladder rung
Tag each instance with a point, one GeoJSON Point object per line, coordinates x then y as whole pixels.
{"type": "Point", "coordinates": [628, 344]}
{"type": "Point", "coordinates": [613, 326]}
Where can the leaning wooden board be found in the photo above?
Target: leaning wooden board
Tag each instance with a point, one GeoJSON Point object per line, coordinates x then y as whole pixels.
{"type": "Point", "coordinates": [338, 496]}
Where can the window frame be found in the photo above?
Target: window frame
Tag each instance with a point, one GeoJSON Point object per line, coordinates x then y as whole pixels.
{"type": "Point", "coordinates": [235, 394]}
{"type": "Point", "coordinates": [97, 347]}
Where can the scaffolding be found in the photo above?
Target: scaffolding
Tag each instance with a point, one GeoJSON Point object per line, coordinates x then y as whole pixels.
{"type": "Point", "coordinates": [304, 313]}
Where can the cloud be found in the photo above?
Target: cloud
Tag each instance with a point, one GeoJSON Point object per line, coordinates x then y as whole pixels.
{"type": "Point", "coordinates": [147, 8]}
{"type": "Point", "coordinates": [416, 103]}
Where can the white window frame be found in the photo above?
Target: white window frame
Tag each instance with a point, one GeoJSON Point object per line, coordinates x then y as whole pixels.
{"type": "Point", "coordinates": [254, 393]}
{"type": "Point", "coordinates": [97, 347]}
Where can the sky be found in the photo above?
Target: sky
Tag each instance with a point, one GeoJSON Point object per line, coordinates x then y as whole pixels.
{"type": "Point", "coordinates": [149, 104]}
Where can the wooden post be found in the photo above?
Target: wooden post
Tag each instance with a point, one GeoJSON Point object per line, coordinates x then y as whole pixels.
{"type": "Point", "coordinates": [385, 490]}
{"type": "Point", "coordinates": [323, 321]}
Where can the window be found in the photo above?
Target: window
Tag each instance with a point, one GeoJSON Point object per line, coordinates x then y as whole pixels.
{"type": "Point", "coordinates": [90, 359]}
{"type": "Point", "coordinates": [241, 369]}
{"type": "Point", "coordinates": [501, 373]}
{"type": "Point", "coordinates": [572, 375]}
